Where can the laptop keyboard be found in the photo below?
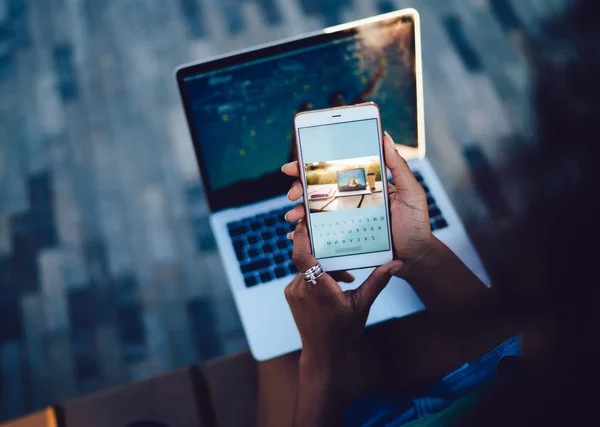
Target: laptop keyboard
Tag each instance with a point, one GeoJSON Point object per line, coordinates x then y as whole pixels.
{"type": "Point", "coordinates": [436, 219]}
{"type": "Point", "coordinates": [265, 254]}
{"type": "Point", "coordinates": [261, 248]}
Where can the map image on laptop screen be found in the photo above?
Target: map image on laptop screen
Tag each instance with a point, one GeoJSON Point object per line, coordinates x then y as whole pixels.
{"type": "Point", "coordinates": [243, 116]}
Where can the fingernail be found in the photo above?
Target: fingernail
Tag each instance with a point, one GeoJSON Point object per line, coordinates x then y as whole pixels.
{"type": "Point", "coordinates": [285, 216]}
{"type": "Point", "coordinates": [289, 236]}
{"type": "Point", "coordinates": [282, 168]}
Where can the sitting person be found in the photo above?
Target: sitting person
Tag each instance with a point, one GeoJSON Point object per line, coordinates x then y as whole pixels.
{"type": "Point", "coordinates": [341, 363]}
{"type": "Point", "coordinates": [477, 356]}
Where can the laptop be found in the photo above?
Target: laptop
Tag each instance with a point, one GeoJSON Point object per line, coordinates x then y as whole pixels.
{"type": "Point", "coordinates": [240, 110]}
{"type": "Point", "coordinates": [352, 182]}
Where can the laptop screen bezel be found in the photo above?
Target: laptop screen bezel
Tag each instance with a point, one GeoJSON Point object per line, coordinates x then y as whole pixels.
{"type": "Point", "coordinates": [222, 199]}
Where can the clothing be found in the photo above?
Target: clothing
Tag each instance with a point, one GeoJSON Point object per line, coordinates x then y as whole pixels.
{"type": "Point", "coordinates": [382, 410]}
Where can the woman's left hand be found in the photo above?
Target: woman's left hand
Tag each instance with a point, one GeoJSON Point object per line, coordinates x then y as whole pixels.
{"type": "Point", "coordinates": [330, 320]}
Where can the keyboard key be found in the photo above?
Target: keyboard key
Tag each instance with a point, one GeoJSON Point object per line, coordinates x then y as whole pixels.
{"type": "Point", "coordinates": [270, 222]}
{"type": "Point", "coordinates": [233, 224]}
{"type": "Point", "coordinates": [292, 268]}
{"type": "Point", "coordinates": [289, 254]}
{"type": "Point", "coordinates": [255, 265]}
{"type": "Point", "coordinates": [267, 235]}
{"type": "Point", "coordinates": [418, 176]}
{"type": "Point", "coordinates": [430, 201]}
{"type": "Point", "coordinates": [279, 259]}
{"type": "Point", "coordinates": [281, 231]}
{"type": "Point", "coordinates": [266, 276]}
{"type": "Point", "coordinates": [433, 226]}
{"type": "Point", "coordinates": [253, 253]}
{"type": "Point", "coordinates": [267, 248]}
{"type": "Point", "coordinates": [434, 211]}
{"type": "Point", "coordinates": [426, 188]}
{"type": "Point", "coordinates": [441, 223]}
{"type": "Point", "coordinates": [280, 272]}
{"type": "Point", "coordinates": [254, 225]}
{"type": "Point", "coordinates": [280, 216]}
{"type": "Point", "coordinates": [250, 280]}
{"type": "Point", "coordinates": [252, 239]}
{"type": "Point", "coordinates": [238, 231]}
{"type": "Point", "coordinates": [283, 244]}
{"type": "Point", "coordinates": [240, 254]}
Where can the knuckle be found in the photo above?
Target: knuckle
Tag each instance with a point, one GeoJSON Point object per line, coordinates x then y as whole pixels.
{"type": "Point", "coordinates": [288, 291]}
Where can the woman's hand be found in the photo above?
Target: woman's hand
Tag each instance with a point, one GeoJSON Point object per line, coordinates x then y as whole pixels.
{"type": "Point", "coordinates": [329, 319]}
{"type": "Point", "coordinates": [411, 232]}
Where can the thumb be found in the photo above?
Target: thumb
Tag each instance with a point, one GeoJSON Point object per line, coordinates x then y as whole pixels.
{"type": "Point", "coordinates": [365, 294]}
{"type": "Point", "coordinates": [401, 173]}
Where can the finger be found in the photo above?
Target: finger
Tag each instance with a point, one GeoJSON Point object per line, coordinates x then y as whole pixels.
{"type": "Point", "coordinates": [296, 191]}
{"type": "Point", "coordinates": [401, 173]}
{"type": "Point", "coordinates": [366, 293]}
{"type": "Point", "coordinates": [304, 259]}
{"type": "Point", "coordinates": [289, 290]}
{"type": "Point", "coordinates": [291, 169]}
{"type": "Point", "coordinates": [342, 276]}
{"type": "Point", "coordinates": [295, 214]}
{"type": "Point", "coordinates": [301, 252]}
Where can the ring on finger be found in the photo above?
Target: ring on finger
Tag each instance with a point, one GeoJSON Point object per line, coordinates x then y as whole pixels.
{"type": "Point", "coordinates": [313, 273]}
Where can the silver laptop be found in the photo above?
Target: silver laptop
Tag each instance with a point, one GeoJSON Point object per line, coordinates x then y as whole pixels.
{"type": "Point", "coordinates": [240, 108]}
{"type": "Point", "coordinates": [352, 182]}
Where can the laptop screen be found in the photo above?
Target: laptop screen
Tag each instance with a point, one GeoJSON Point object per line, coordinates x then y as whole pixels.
{"type": "Point", "coordinates": [241, 108]}
{"type": "Point", "coordinates": [352, 179]}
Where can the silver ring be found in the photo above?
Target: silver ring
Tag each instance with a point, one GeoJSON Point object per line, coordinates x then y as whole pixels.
{"type": "Point", "coordinates": [312, 274]}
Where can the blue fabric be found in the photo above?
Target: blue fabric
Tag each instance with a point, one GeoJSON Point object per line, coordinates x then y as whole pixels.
{"type": "Point", "coordinates": [382, 410]}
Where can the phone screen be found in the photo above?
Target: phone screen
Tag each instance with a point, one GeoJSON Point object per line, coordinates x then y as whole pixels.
{"type": "Point", "coordinates": [344, 188]}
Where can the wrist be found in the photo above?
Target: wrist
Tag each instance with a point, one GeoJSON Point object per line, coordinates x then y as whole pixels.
{"type": "Point", "coordinates": [319, 368]}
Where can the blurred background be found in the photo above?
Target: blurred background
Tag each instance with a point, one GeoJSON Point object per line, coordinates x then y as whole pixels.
{"type": "Point", "coordinates": [108, 268]}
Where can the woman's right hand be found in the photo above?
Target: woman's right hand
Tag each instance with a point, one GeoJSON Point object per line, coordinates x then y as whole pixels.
{"type": "Point", "coordinates": [411, 232]}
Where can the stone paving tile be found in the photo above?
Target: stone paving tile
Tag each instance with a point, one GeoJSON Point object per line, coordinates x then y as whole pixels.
{"type": "Point", "coordinates": [111, 363]}
{"type": "Point", "coordinates": [5, 244]}
{"type": "Point", "coordinates": [34, 332]}
{"type": "Point", "coordinates": [61, 365]}
{"type": "Point", "coordinates": [108, 269]}
{"type": "Point", "coordinates": [11, 322]}
{"type": "Point", "coordinates": [11, 371]}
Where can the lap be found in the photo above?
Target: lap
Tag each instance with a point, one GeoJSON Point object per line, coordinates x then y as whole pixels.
{"type": "Point", "coordinates": [396, 356]}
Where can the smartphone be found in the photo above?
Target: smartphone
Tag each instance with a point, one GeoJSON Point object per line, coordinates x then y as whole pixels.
{"type": "Point", "coordinates": [340, 151]}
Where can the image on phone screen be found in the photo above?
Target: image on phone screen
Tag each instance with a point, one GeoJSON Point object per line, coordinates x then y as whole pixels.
{"type": "Point", "coordinates": [344, 188]}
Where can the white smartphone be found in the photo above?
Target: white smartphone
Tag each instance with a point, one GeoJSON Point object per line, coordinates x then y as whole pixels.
{"type": "Point", "coordinates": [340, 151]}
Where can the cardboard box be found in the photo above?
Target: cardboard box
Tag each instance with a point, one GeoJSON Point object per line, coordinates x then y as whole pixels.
{"type": "Point", "coordinates": [178, 399]}
{"type": "Point", "coordinates": [233, 387]}
{"type": "Point", "coordinates": [45, 418]}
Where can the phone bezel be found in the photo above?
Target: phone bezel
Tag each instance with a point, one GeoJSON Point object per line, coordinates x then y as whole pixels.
{"type": "Point", "coordinates": [339, 115]}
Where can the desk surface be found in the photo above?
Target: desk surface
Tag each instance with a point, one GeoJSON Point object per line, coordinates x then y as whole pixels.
{"type": "Point", "coordinates": [341, 202]}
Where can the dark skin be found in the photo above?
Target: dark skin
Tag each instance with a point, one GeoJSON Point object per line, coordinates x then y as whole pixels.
{"type": "Point", "coordinates": [340, 361]}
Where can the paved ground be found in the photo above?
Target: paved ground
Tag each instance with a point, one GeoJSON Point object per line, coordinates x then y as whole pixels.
{"type": "Point", "coordinates": [108, 270]}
